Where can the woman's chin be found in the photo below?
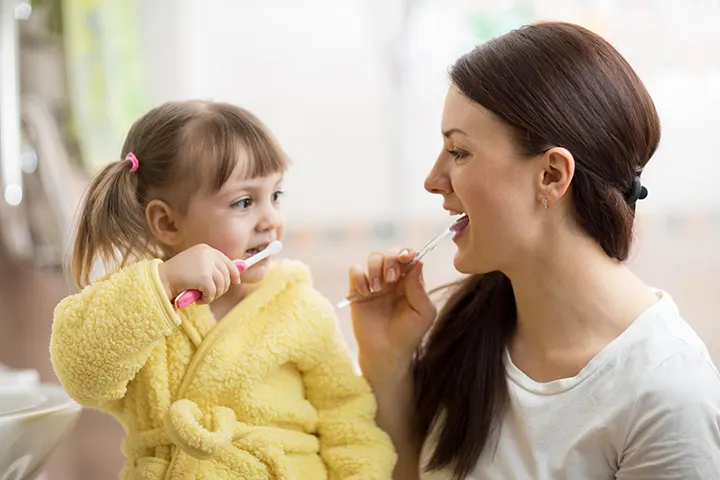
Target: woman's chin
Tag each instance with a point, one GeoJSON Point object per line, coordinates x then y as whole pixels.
{"type": "Point", "coordinates": [460, 263]}
{"type": "Point", "coordinates": [468, 264]}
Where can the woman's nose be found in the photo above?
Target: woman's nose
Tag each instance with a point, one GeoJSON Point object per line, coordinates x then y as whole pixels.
{"type": "Point", "coordinates": [437, 181]}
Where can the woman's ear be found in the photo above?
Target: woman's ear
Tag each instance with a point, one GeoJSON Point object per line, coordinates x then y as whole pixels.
{"type": "Point", "coordinates": [556, 175]}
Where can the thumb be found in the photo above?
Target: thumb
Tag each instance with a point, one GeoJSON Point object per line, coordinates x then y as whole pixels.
{"type": "Point", "coordinates": [416, 295]}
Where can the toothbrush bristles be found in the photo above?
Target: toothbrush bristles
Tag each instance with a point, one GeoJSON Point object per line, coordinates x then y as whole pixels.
{"type": "Point", "coordinates": [460, 223]}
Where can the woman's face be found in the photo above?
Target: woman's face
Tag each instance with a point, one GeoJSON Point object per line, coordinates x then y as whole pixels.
{"type": "Point", "coordinates": [480, 173]}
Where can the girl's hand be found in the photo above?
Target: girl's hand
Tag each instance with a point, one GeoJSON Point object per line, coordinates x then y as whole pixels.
{"type": "Point", "coordinates": [199, 268]}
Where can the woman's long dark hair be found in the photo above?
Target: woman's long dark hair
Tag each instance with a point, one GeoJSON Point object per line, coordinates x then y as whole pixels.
{"type": "Point", "coordinates": [555, 84]}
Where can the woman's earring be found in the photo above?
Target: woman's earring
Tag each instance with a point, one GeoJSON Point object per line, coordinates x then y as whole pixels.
{"type": "Point", "coordinates": [545, 203]}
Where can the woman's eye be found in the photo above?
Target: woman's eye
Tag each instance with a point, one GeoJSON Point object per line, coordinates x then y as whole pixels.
{"type": "Point", "coordinates": [457, 154]}
{"type": "Point", "coordinates": [243, 203]}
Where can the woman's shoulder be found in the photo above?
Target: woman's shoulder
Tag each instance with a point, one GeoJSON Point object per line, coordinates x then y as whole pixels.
{"type": "Point", "coordinates": [675, 407]}
{"type": "Point", "coordinates": [675, 363]}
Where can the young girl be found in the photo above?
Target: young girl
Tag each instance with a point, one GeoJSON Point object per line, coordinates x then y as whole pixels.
{"type": "Point", "coordinates": [251, 382]}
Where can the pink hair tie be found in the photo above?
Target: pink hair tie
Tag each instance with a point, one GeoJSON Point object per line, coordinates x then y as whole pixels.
{"type": "Point", "coordinates": [133, 161]}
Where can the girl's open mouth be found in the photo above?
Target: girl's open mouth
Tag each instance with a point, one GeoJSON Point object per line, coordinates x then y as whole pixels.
{"type": "Point", "coordinates": [255, 250]}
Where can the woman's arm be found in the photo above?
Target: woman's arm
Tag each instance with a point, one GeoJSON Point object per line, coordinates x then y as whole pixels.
{"type": "Point", "coordinates": [389, 324]}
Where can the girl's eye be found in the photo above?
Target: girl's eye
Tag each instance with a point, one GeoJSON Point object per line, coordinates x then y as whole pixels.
{"type": "Point", "coordinates": [276, 196]}
{"type": "Point", "coordinates": [457, 154]}
{"type": "Point", "coordinates": [243, 203]}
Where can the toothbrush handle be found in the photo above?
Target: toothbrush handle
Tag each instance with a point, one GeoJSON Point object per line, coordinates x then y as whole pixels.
{"type": "Point", "coordinates": [188, 297]}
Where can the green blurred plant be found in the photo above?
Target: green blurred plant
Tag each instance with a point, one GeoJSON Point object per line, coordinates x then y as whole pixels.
{"type": "Point", "coordinates": [53, 10]}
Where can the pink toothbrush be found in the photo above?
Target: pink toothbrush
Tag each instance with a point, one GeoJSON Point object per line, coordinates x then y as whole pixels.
{"type": "Point", "coordinates": [188, 297]}
{"type": "Point", "coordinates": [456, 227]}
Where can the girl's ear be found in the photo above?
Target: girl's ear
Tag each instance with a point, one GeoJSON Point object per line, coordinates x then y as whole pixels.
{"type": "Point", "coordinates": [163, 223]}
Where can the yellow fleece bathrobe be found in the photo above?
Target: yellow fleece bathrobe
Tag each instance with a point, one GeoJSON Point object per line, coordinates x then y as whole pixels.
{"type": "Point", "coordinates": [268, 392]}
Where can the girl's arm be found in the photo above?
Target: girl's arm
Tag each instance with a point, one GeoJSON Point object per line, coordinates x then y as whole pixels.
{"type": "Point", "coordinates": [102, 336]}
{"type": "Point", "coordinates": [351, 444]}
{"type": "Point", "coordinates": [396, 416]}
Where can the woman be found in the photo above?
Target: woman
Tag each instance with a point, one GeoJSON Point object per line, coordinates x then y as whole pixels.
{"type": "Point", "coordinates": [551, 360]}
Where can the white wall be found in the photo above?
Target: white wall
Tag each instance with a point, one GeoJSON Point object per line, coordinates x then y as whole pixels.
{"type": "Point", "coordinates": [313, 71]}
{"type": "Point", "coordinates": [309, 70]}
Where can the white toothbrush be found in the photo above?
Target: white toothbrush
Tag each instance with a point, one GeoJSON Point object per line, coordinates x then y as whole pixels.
{"type": "Point", "coordinates": [456, 227]}
{"type": "Point", "coordinates": [187, 297]}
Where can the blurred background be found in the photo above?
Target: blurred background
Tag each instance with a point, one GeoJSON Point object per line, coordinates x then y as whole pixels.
{"type": "Point", "coordinates": [354, 91]}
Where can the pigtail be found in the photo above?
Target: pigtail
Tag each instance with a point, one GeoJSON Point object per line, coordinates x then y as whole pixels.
{"type": "Point", "coordinates": [111, 226]}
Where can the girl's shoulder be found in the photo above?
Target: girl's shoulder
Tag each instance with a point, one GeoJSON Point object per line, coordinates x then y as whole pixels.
{"type": "Point", "coordinates": [294, 279]}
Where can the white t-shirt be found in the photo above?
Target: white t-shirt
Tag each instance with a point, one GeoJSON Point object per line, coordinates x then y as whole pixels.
{"type": "Point", "coordinates": [646, 407]}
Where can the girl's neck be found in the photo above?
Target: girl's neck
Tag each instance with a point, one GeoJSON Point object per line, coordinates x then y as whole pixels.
{"type": "Point", "coordinates": [227, 302]}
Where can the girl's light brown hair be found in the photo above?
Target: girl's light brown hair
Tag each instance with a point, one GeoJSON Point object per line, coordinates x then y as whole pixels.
{"type": "Point", "coordinates": [182, 148]}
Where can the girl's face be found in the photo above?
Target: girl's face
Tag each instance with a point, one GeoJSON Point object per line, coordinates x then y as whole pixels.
{"type": "Point", "coordinates": [240, 219]}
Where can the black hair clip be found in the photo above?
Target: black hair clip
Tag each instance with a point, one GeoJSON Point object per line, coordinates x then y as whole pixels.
{"type": "Point", "coordinates": [637, 192]}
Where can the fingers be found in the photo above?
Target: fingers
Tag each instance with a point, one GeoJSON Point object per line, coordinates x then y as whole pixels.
{"type": "Point", "coordinates": [208, 290]}
{"type": "Point", "coordinates": [224, 276]}
{"type": "Point", "coordinates": [215, 284]}
{"type": "Point", "coordinates": [391, 267]}
{"type": "Point", "coordinates": [221, 277]}
{"type": "Point", "coordinates": [417, 296]}
{"type": "Point", "coordinates": [233, 271]}
{"type": "Point", "coordinates": [387, 268]}
{"type": "Point", "coordinates": [406, 256]}
{"type": "Point", "coordinates": [359, 282]}
{"type": "Point", "coordinates": [376, 271]}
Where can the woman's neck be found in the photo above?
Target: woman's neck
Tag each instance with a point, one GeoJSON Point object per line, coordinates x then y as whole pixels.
{"type": "Point", "coordinates": [571, 302]}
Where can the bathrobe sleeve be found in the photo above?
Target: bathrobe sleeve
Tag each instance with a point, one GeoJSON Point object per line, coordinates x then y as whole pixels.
{"type": "Point", "coordinates": [351, 445]}
{"type": "Point", "coordinates": [102, 336]}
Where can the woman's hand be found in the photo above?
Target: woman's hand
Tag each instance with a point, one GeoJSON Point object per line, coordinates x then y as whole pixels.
{"type": "Point", "coordinates": [393, 316]}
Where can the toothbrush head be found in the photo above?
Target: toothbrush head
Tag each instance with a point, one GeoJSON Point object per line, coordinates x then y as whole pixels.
{"type": "Point", "coordinates": [274, 248]}
{"type": "Point", "coordinates": [460, 224]}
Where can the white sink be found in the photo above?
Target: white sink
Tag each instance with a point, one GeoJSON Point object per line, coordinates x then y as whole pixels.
{"type": "Point", "coordinates": [17, 402]}
{"type": "Point", "coordinates": [34, 420]}
{"type": "Point", "coordinates": [11, 379]}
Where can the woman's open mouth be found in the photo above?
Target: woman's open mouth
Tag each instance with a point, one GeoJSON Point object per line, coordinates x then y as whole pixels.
{"type": "Point", "coordinates": [460, 224]}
